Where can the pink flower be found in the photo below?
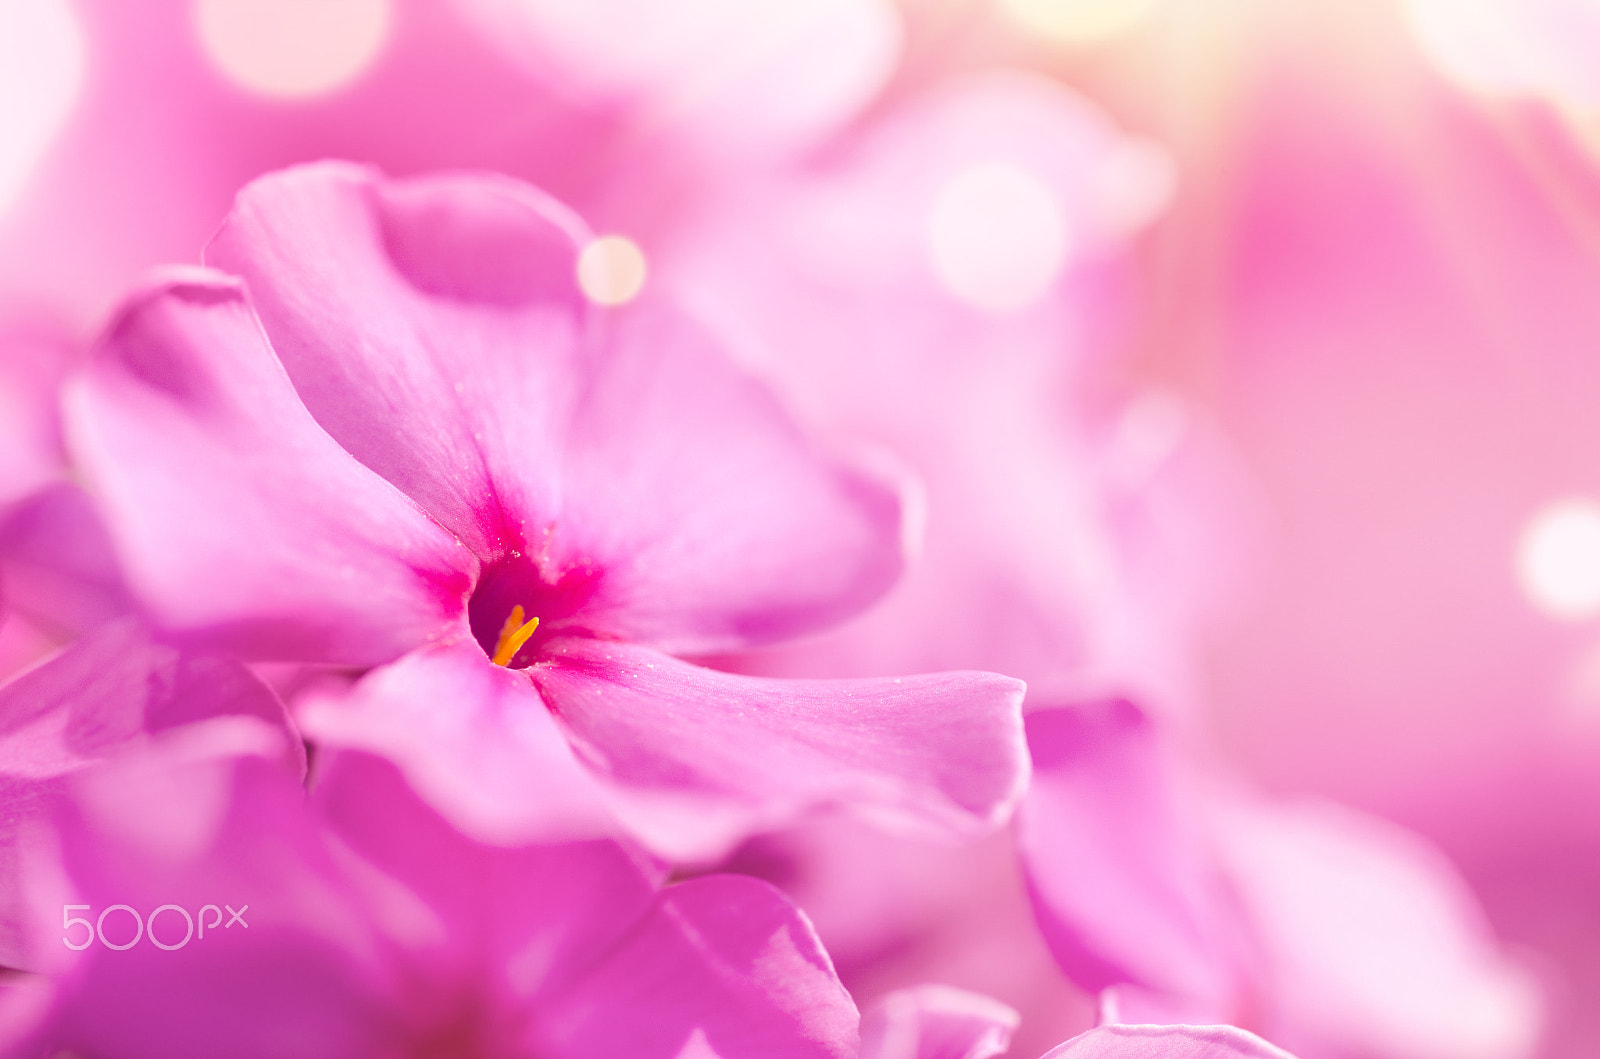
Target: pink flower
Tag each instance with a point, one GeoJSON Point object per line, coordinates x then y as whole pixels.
{"type": "Point", "coordinates": [108, 695]}
{"type": "Point", "coordinates": [427, 445]}
{"type": "Point", "coordinates": [1332, 932]}
{"type": "Point", "coordinates": [367, 926]}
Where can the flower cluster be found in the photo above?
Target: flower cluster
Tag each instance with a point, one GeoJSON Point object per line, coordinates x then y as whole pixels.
{"type": "Point", "coordinates": [431, 625]}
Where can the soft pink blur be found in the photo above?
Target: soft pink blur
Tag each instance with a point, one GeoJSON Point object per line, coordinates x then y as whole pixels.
{"type": "Point", "coordinates": [1259, 439]}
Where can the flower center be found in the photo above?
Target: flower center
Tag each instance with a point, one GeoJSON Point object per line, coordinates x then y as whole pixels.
{"type": "Point", "coordinates": [513, 589]}
{"type": "Point", "coordinates": [513, 634]}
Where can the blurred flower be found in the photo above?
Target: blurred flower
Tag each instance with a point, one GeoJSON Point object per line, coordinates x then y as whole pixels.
{"type": "Point", "coordinates": [107, 696]}
{"type": "Point", "coordinates": [1327, 930]}
{"type": "Point", "coordinates": [375, 929]}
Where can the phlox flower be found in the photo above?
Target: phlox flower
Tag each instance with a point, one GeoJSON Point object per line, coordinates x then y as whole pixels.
{"type": "Point", "coordinates": [1330, 932]}
{"type": "Point", "coordinates": [393, 433]}
{"type": "Point", "coordinates": [371, 927]}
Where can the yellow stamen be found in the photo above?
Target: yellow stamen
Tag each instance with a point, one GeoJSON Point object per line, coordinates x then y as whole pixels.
{"type": "Point", "coordinates": [513, 634]}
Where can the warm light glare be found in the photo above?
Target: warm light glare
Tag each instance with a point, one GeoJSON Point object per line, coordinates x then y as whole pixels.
{"type": "Point", "coordinates": [752, 74]}
{"type": "Point", "coordinates": [1558, 559]}
{"type": "Point", "coordinates": [292, 49]}
{"type": "Point", "coordinates": [997, 237]}
{"type": "Point", "coordinates": [41, 68]}
{"type": "Point", "coordinates": [611, 270]}
{"type": "Point", "coordinates": [1514, 47]}
{"type": "Point", "coordinates": [1076, 21]}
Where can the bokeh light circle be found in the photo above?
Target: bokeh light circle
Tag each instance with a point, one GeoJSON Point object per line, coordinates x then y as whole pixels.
{"type": "Point", "coordinates": [292, 49]}
{"type": "Point", "coordinates": [997, 237]}
{"type": "Point", "coordinates": [611, 270]}
{"type": "Point", "coordinates": [1076, 21]}
{"type": "Point", "coordinates": [41, 71]}
{"type": "Point", "coordinates": [1558, 559]}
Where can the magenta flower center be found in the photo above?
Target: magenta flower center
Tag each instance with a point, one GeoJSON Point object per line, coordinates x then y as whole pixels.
{"type": "Point", "coordinates": [519, 603]}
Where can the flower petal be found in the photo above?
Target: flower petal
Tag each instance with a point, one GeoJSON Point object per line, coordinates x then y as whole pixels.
{"type": "Point", "coordinates": [1120, 884]}
{"type": "Point", "coordinates": [936, 1022]}
{"type": "Point", "coordinates": [697, 758]}
{"type": "Point", "coordinates": [303, 976]}
{"type": "Point", "coordinates": [474, 739]}
{"type": "Point", "coordinates": [57, 562]}
{"type": "Point", "coordinates": [1374, 945]}
{"type": "Point", "coordinates": [565, 902]}
{"type": "Point", "coordinates": [716, 522]}
{"type": "Point", "coordinates": [430, 325]}
{"type": "Point", "coordinates": [106, 694]}
{"type": "Point", "coordinates": [1166, 1042]}
{"type": "Point", "coordinates": [724, 966]}
{"type": "Point", "coordinates": [115, 685]}
{"type": "Point", "coordinates": [238, 520]}
{"type": "Point", "coordinates": [31, 369]}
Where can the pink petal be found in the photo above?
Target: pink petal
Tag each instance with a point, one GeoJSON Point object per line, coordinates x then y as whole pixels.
{"type": "Point", "coordinates": [57, 564]}
{"type": "Point", "coordinates": [106, 694]}
{"type": "Point", "coordinates": [716, 522]}
{"type": "Point", "coordinates": [304, 978]}
{"type": "Point", "coordinates": [475, 739]}
{"type": "Point", "coordinates": [31, 369]}
{"type": "Point", "coordinates": [185, 424]}
{"type": "Point", "coordinates": [697, 758]}
{"type": "Point", "coordinates": [1122, 890]}
{"type": "Point", "coordinates": [723, 966]}
{"type": "Point", "coordinates": [116, 685]}
{"type": "Point", "coordinates": [430, 325]}
{"type": "Point", "coordinates": [936, 1022]}
{"type": "Point", "coordinates": [1166, 1042]}
{"type": "Point", "coordinates": [564, 902]}
{"type": "Point", "coordinates": [1373, 943]}
{"type": "Point", "coordinates": [433, 327]}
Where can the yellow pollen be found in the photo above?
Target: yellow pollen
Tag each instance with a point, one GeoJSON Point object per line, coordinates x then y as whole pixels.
{"type": "Point", "coordinates": [513, 634]}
